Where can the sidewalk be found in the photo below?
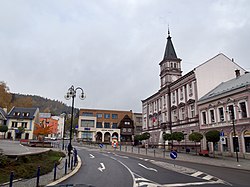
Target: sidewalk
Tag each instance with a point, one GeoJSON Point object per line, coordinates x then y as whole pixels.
{"type": "Point", "coordinates": [229, 162]}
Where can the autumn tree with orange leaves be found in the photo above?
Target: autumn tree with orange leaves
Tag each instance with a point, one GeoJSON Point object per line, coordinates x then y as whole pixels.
{"type": "Point", "coordinates": [42, 130]}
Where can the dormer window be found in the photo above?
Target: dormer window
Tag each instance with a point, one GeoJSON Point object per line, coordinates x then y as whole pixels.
{"type": "Point", "coordinates": [26, 114]}
{"type": "Point", "coordinates": [16, 114]}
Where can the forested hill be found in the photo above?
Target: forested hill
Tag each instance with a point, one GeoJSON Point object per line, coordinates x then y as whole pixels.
{"type": "Point", "coordinates": [44, 104]}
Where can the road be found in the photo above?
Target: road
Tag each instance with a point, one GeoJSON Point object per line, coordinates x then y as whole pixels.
{"type": "Point", "coordinates": [103, 168]}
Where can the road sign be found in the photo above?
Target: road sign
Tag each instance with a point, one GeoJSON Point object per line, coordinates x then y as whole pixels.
{"type": "Point", "coordinates": [221, 133]}
{"type": "Point", "coordinates": [173, 154]}
{"type": "Point", "coordinates": [223, 140]}
{"type": "Point", "coordinates": [101, 145]}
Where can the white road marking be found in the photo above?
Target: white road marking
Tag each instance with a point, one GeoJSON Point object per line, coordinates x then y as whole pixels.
{"type": "Point", "coordinates": [102, 168]}
{"type": "Point", "coordinates": [152, 169]}
{"type": "Point", "coordinates": [120, 156]}
{"type": "Point", "coordinates": [196, 174]}
{"type": "Point", "coordinates": [189, 184]}
{"type": "Point", "coordinates": [92, 156]}
{"type": "Point", "coordinates": [208, 177]}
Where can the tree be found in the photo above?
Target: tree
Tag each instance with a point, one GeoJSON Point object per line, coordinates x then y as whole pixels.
{"type": "Point", "coordinates": [167, 137]}
{"type": "Point", "coordinates": [195, 137]}
{"type": "Point", "coordinates": [4, 129]}
{"type": "Point", "coordinates": [178, 136]}
{"type": "Point", "coordinates": [42, 130]}
{"type": "Point", "coordinates": [145, 136]}
{"type": "Point", "coordinates": [23, 102]}
{"type": "Point", "coordinates": [213, 136]}
{"type": "Point", "coordinates": [5, 95]}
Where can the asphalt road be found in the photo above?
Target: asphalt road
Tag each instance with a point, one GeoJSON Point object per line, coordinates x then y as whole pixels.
{"type": "Point", "coordinates": [101, 168]}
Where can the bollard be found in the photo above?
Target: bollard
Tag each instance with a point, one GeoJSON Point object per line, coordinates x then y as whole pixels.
{"type": "Point", "coordinates": [38, 176]}
{"type": "Point", "coordinates": [66, 166]}
{"type": "Point", "coordinates": [154, 152]}
{"type": "Point", "coordinates": [55, 171]}
{"type": "Point", "coordinates": [138, 150]}
{"type": "Point", "coordinates": [126, 148]}
{"type": "Point", "coordinates": [146, 151]}
{"type": "Point", "coordinates": [71, 167]}
{"type": "Point", "coordinates": [11, 178]}
{"type": "Point", "coordinates": [132, 149]}
{"type": "Point", "coordinates": [163, 153]}
{"type": "Point", "coordinates": [120, 147]}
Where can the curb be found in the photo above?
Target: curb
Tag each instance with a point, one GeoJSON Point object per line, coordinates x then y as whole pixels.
{"type": "Point", "coordinates": [69, 174]}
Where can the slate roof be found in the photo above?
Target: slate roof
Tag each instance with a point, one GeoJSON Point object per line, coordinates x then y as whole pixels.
{"type": "Point", "coordinates": [224, 87]}
{"type": "Point", "coordinates": [15, 110]}
{"type": "Point", "coordinates": [169, 51]}
{"type": "Point", "coordinates": [3, 113]}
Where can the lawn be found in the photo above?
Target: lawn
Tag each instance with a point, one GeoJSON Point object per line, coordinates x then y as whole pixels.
{"type": "Point", "coordinates": [25, 167]}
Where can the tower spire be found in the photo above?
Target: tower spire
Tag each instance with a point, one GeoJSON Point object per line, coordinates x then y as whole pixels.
{"type": "Point", "coordinates": [168, 31]}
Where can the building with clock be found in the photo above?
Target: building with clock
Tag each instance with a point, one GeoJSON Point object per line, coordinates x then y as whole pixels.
{"type": "Point", "coordinates": [174, 106]}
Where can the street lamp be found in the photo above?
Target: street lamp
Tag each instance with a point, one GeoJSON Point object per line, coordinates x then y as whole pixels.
{"type": "Point", "coordinates": [64, 121]}
{"type": "Point", "coordinates": [232, 116]}
{"type": "Point", "coordinates": [72, 94]}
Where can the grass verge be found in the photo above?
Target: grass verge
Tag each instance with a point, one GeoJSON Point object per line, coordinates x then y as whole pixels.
{"type": "Point", "coordinates": [26, 166]}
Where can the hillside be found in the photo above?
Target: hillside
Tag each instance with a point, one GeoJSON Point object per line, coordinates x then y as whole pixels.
{"type": "Point", "coordinates": [54, 107]}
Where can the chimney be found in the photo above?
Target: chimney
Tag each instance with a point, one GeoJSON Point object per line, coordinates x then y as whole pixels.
{"type": "Point", "coordinates": [237, 73]}
{"type": "Point", "coordinates": [5, 110]}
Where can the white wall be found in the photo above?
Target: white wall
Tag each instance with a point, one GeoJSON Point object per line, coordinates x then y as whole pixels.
{"type": "Point", "coordinates": [214, 71]}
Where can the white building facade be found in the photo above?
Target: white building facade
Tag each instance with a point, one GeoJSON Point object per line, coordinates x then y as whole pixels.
{"type": "Point", "coordinates": [174, 106]}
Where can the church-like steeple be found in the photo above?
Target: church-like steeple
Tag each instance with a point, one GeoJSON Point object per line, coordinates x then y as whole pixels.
{"type": "Point", "coordinates": [169, 51]}
{"type": "Point", "coordinates": [170, 66]}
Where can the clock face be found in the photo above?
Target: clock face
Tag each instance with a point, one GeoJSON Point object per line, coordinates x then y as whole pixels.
{"type": "Point", "coordinates": [174, 78]}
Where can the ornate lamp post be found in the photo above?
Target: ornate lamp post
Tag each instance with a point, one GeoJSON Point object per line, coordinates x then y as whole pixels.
{"type": "Point", "coordinates": [64, 121]}
{"type": "Point", "coordinates": [72, 94]}
{"type": "Point", "coordinates": [232, 116]}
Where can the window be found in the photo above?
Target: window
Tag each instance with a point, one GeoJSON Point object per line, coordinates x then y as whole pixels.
{"type": "Point", "coordinates": [182, 111]}
{"type": "Point", "coordinates": [106, 125]}
{"type": "Point", "coordinates": [24, 124]}
{"type": "Point", "coordinates": [181, 93]}
{"type": "Point", "coordinates": [114, 116]}
{"type": "Point", "coordinates": [127, 123]}
{"type": "Point", "coordinates": [175, 66]}
{"type": "Point", "coordinates": [138, 119]}
{"type": "Point", "coordinates": [174, 116]}
{"type": "Point", "coordinates": [192, 111]}
{"type": "Point", "coordinates": [190, 89]}
{"type": "Point", "coordinates": [216, 146]}
{"type": "Point", "coordinates": [87, 123]}
{"type": "Point", "coordinates": [99, 115]}
{"type": "Point", "coordinates": [14, 124]}
{"type": "Point", "coordinates": [114, 126]}
{"type": "Point", "coordinates": [243, 110]}
{"type": "Point", "coordinates": [106, 116]}
{"type": "Point", "coordinates": [173, 97]}
{"type": "Point", "coordinates": [99, 125]}
{"type": "Point", "coordinates": [225, 146]}
{"type": "Point", "coordinates": [87, 114]}
{"type": "Point", "coordinates": [247, 144]}
{"type": "Point", "coordinates": [26, 114]}
{"type": "Point", "coordinates": [16, 114]}
{"type": "Point", "coordinates": [129, 129]}
{"type": "Point", "coordinates": [204, 117]}
{"type": "Point", "coordinates": [124, 130]}
{"type": "Point", "coordinates": [231, 112]}
{"type": "Point", "coordinates": [221, 114]}
{"type": "Point", "coordinates": [212, 116]}
{"type": "Point", "coordinates": [235, 144]}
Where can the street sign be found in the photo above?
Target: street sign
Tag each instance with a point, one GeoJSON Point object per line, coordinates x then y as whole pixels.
{"type": "Point", "coordinates": [173, 154]}
{"type": "Point", "coordinates": [101, 145]}
{"type": "Point", "coordinates": [223, 140]}
{"type": "Point", "coordinates": [221, 133]}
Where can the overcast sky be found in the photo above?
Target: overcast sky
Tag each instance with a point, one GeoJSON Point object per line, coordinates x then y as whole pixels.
{"type": "Point", "coordinates": [112, 48]}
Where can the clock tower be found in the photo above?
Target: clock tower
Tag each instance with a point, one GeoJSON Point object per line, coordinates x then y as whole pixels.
{"type": "Point", "coordinates": [170, 66]}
